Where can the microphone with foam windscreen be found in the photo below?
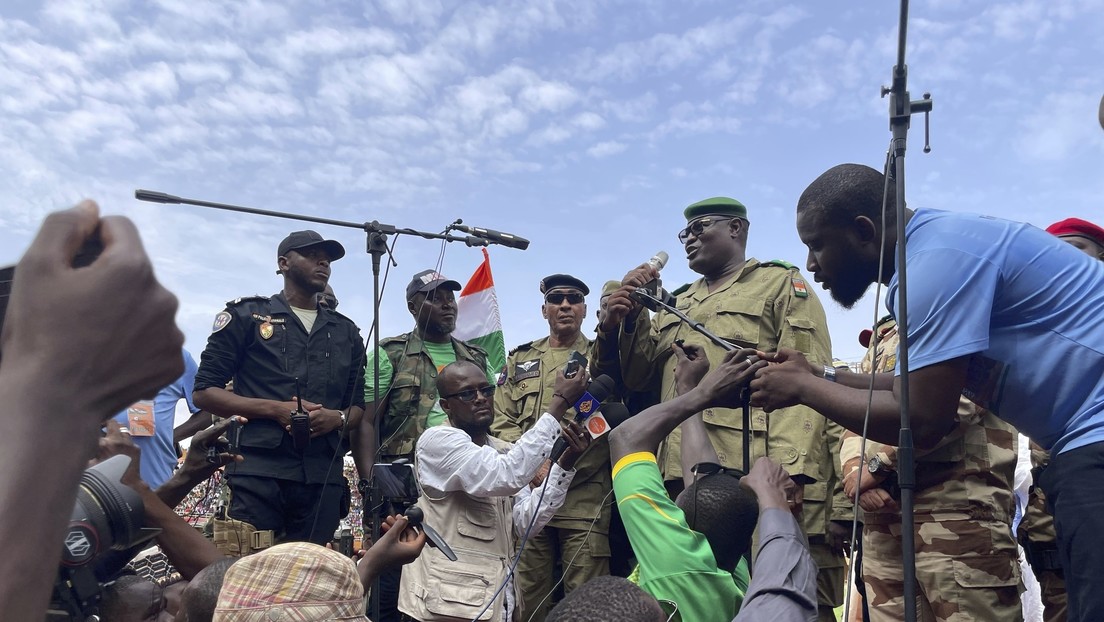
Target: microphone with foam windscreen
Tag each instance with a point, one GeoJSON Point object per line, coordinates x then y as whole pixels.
{"type": "Point", "coordinates": [654, 287]}
{"type": "Point", "coordinates": [495, 237]}
{"type": "Point", "coordinates": [587, 406]}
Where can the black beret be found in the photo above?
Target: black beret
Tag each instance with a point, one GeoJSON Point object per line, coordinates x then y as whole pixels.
{"type": "Point", "coordinates": [551, 282]}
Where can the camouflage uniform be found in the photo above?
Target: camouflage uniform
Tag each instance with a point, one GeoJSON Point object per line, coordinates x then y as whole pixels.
{"type": "Point", "coordinates": [1039, 540]}
{"type": "Point", "coordinates": [413, 391]}
{"type": "Point", "coordinates": [967, 563]}
{"type": "Point", "coordinates": [765, 306]}
{"type": "Point", "coordinates": [524, 394]}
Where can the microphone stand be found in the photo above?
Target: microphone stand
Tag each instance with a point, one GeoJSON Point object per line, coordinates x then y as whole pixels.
{"type": "Point", "coordinates": [901, 109]}
{"type": "Point", "coordinates": [376, 247]}
{"type": "Point", "coordinates": [653, 303]}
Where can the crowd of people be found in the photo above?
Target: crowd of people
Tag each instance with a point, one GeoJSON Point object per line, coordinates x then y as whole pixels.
{"type": "Point", "coordinates": [696, 459]}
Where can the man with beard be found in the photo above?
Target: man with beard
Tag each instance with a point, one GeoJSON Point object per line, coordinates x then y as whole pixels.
{"type": "Point", "coordinates": [998, 311]}
{"type": "Point", "coordinates": [762, 305]}
{"type": "Point", "coordinates": [406, 401]}
{"type": "Point", "coordinates": [578, 536]}
{"type": "Point", "coordinates": [270, 346]}
{"type": "Point", "coordinates": [475, 488]}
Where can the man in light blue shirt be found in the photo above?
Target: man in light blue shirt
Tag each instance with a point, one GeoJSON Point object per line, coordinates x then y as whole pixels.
{"type": "Point", "coordinates": [155, 437]}
{"type": "Point", "coordinates": [998, 311]}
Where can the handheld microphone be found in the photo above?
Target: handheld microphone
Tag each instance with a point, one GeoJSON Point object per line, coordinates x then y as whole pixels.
{"type": "Point", "coordinates": [495, 237]}
{"type": "Point", "coordinates": [654, 287]}
{"type": "Point", "coordinates": [600, 388]}
{"type": "Point", "coordinates": [659, 260]}
{"type": "Point", "coordinates": [417, 518]}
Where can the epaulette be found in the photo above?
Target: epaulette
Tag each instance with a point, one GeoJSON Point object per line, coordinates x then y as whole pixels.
{"type": "Point", "coordinates": [521, 348]}
{"type": "Point", "coordinates": [681, 290]}
{"type": "Point", "coordinates": [402, 337]}
{"type": "Point", "coordinates": [781, 264]}
{"type": "Point", "coordinates": [238, 301]}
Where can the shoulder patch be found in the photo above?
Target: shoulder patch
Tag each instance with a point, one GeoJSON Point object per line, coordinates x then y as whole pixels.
{"type": "Point", "coordinates": [801, 290]}
{"type": "Point", "coordinates": [781, 264]}
{"type": "Point", "coordinates": [238, 301]}
{"type": "Point", "coordinates": [222, 320]}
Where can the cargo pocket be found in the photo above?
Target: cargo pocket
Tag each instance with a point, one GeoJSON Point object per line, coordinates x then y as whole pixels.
{"type": "Point", "coordinates": [462, 588]}
{"type": "Point", "coordinates": [738, 322]}
{"type": "Point", "coordinates": [802, 329]}
{"type": "Point", "coordinates": [477, 522]}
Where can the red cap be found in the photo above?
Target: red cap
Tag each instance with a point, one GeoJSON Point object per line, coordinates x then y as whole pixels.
{"type": "Point", "coordinates": [864, 337]}
{"type": "Point", "coordinates": [1076, 226]}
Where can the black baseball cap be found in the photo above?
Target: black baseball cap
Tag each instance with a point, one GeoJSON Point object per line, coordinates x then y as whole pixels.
{"type": "Point", "coordinates": [304, 239]}
{"type": "Point", "coordinates": [429, 280]}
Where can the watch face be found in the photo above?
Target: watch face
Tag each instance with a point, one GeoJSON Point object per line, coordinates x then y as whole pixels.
{"type": "Point", "coordinates": [874, 465]}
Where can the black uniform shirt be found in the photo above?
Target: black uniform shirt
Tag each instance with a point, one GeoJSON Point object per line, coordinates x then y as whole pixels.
{"type": "Point", "coordinates": [261, 344]}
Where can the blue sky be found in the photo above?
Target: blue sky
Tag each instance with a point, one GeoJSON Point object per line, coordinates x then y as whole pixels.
{"type": "Point", "coordinates": [583, 125]}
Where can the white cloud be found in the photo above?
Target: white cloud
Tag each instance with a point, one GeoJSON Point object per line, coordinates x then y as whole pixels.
{"type": "Point", "coordinates": [1058, 127]}
{"type": "Point", "coordinates": [605, 149]}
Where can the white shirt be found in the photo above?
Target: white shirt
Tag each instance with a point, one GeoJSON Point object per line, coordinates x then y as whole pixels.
{"type": "Point", "coordinates": [448, 461]}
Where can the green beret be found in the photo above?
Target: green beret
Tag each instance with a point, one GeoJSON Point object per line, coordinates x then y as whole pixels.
{"type": "Point", "coordinates": [716, 205]}
{"type": "Point", "coordinates": [610, 287]}
{"type": "Point", "coordinates": [551, 282]}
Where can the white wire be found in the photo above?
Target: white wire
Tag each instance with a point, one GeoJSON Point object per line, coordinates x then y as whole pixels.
{"type": "Point", "coordinates": [875, 337]}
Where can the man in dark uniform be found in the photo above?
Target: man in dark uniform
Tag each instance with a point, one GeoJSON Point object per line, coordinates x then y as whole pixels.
{"type": "Point", "coordinates": [267, 345]}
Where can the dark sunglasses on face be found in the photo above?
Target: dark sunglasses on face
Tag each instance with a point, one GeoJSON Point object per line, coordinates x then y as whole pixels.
{"type": "Point", "coordinates": [329, 302]}
{"type": "Point", "coordinates": [469, 395]}
{"type": "Point", "coordinates": [698, 226]}
{"type": "Point", "coordinates": [557, 298]}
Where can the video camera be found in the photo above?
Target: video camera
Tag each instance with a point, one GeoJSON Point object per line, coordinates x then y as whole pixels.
{"type": "Point", "coordinates": [105, 532]}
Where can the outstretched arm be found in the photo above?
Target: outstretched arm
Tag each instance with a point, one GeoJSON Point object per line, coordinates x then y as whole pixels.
{"type": "Point", "coordinates": [107, 357]}
{"type": "Point", "coordinates": [721, 387]}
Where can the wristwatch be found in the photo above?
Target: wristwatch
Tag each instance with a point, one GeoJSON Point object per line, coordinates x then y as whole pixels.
{"type": "Point", "coordinates": [829, 373]}
{"type": "Point", "coordinates": [876, 466]}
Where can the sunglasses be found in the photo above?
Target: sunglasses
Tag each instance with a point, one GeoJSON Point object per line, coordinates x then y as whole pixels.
{"type": "Point", "coordinates": [557, 298]}
{"type": "Point", "coordinates": [670, 608]}
{"type": "Point", "coordinates": [469, 395]}
{"type": "Point", "coordinates": [698, 226]}
{"type": "Point", "coordinates": [329, 302]}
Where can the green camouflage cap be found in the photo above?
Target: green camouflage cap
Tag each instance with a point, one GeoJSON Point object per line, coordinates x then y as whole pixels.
{"type": "Point", "coordinates": [610, 287]}
{"type": "Point", "coordinates": [716, 205]}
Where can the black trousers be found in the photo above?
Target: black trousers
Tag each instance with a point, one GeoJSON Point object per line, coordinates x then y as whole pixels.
{"type": "Point", "coordinates": [294, 511]}
{"type": "Point", "coordinates": [1074, 485]}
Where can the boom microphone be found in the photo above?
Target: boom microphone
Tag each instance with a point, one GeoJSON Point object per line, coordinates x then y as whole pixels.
{"type": "Point", "coordinates": [599, 389]}
{"type": "Point", "coordinates": [495, 237]}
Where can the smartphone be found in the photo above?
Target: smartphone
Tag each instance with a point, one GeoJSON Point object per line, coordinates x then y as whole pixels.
{"type": "Point", "coordinates": [395, 480]}
{"type": "Point", "coordinates": [574, 363]}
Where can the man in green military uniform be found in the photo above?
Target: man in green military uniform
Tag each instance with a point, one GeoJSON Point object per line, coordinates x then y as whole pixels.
{"type": "Point", "coordinates": [578, 535]}
{"type": "Point", "coordinates": [967, 563]}
{"type": "Point", "coordinates": [748, 303]}
{"type": "Point", "coordinates": [405, 402]}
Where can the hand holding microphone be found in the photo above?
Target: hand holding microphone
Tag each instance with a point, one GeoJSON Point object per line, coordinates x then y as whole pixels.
{"type": "Point", "coordinates": [621, 304]}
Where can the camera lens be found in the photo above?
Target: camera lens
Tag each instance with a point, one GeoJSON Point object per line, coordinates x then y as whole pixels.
{"type": "Point", "coordinates": [107, 515]}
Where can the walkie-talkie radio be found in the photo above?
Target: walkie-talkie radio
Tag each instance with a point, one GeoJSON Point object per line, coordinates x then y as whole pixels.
{"type": "Point", "coordinates": [300, 423]}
